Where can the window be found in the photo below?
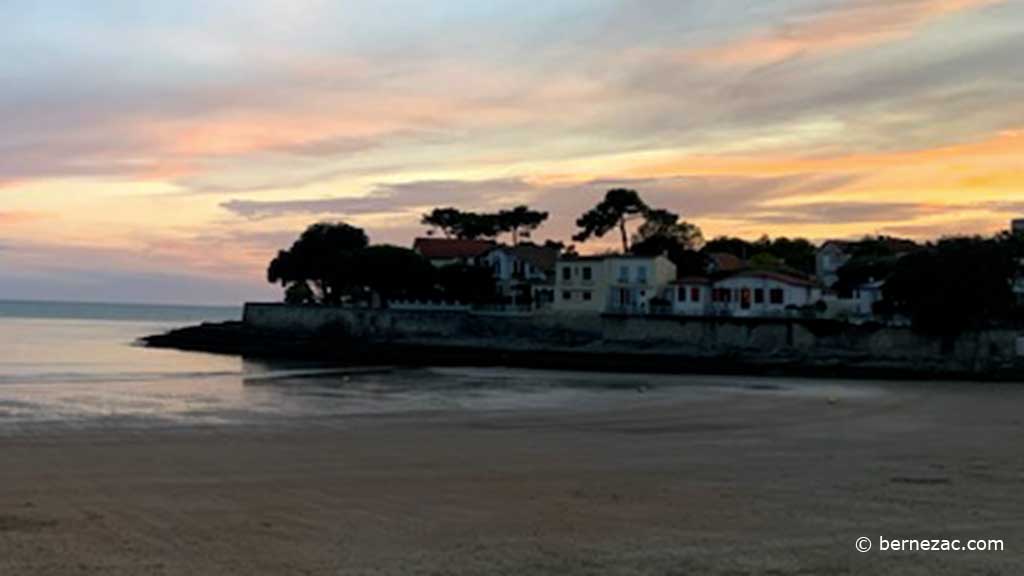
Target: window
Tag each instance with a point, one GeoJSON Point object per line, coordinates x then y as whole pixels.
{"type": "Point", "coordinates": [682, 294]}
{"type": "Point", "coordinates": [778, 296]}
{"type": "Point", "coordinates": [624, 274]}
{"type": "Point", "coordinates": [588, 274]}
{"type": "Point", "coordinates": [695, 294]}
{"type": "Point", "coordinates": [745, 298]}
{"type": "Point", "coordinates": [566, 295]}
{"type": "Point", "coordinates": [641, 274]}
{"type": "Point", "coordinates": [566, 274]}
{"type": "Point", "coordinates": [721, 295]}
{"type": "Point", "coordinates": [587, 296]}
{"type": "Point", "coordinates": [759, 296]}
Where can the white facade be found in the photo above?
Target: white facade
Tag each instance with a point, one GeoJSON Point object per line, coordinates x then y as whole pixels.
{"type": "Point", "coordinates": [866, 296]}
{"type": "Point", "coordinates": [860, 303]}
{"type": "Point", "coordinates": [580, 285]}
{"type": "Point", "coordinates": [745, 294]}
{"type": "Point", "coordinates": [518, 279]}
{"type": "Point", "coordinates": [614, 284]}
{"type": "Point", "coordinates": [507, 266]}
{"type": "Point", "coordinates": [690, 297]}
{"type": "Point", "coordinates": [828, 260]}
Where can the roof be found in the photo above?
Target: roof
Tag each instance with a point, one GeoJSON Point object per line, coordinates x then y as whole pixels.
{"type": "Point", "coordinates": [450, 248]}
{"type": "Point", "coordinates": [771, 275]}
{"type": "Point", "coordinates": [540, 257]}
{"type": "Point", "coordinates": [725, 262]}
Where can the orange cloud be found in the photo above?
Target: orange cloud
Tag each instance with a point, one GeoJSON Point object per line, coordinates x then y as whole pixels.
{"type": "Point", "coordinates": [15, 218]}
{"type": "Point", "coordinates": [997, 158]}
{"type": "Point", "coordinates": [861, 23]}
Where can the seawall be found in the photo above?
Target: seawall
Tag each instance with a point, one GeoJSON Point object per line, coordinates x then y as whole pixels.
{"type": "Point", "coordinates": [765, 342]}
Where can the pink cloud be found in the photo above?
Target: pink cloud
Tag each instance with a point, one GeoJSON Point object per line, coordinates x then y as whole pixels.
{"type": "Point", "coordinates": [857, 24]}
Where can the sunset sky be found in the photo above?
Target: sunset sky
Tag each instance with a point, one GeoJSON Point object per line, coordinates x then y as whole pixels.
{"type": "Point", "coordinates": [163, 151]}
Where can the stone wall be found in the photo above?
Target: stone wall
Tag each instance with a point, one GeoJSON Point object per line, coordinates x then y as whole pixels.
{"type": "Point", "coordinates": [692, 336]}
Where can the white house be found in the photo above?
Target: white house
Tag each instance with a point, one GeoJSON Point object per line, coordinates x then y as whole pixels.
{"type": "Point", "coordinates": [830, 257]}
{"type": "Point", "coordinates": [747, 293]}
{"type": "Point", "coordinates": [690, 296]}
{"type": "Point", "coordinates": [620, 284]}
{"type": "Point", "coordinates": [524, 273]}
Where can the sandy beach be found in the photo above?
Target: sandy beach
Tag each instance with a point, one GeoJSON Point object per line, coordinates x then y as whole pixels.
{"type": "Point", "coordinates": [721, 481]}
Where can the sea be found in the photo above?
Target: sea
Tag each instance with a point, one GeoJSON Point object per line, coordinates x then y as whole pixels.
{"type": "Point", "coordinates": [70, 365]}
{"type": "Point", "coordinates": [79, 366]}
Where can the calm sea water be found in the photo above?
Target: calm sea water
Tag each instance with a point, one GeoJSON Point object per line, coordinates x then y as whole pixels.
{"type": "Point", "coordinates": [77, 366]}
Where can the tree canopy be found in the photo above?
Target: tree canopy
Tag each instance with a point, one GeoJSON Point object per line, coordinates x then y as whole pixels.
{"type": "Point", "coordinates": [467, 283]}
{"type": "Point", "coordinates": [520, 222]}
{"type": "Point", "coordinates": [619, 206]}
{"type": "Point", "coordinates": [447, 220]}
{"type": "Point", "coordinates": [666, 225]}
{"type": "Point", "coordinates": [796, 253]}
{"type": "Point", "coordinates": [872, 259]}
{"type": "Point", "coordinates": [664, 233]}
{"type": "Point", "coordinates": [954, 285]}
{"type": "Point", "coordinates": [320, 258]}
{"type": "Point", "coordinates": [454, 223]}
{"type": "Point", "coordinates": [394, 272]}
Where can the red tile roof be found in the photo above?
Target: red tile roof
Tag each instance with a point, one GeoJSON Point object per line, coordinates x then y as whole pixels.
{"type": "Point", "coordinates": [450, 248]}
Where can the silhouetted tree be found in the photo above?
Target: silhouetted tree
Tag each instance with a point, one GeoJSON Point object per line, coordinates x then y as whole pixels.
{"type": "Point", "coordinates": [872, 259]}
{"type": "Point", "coordinates": [393, 272]}
{"type": "Point", "coordinates": [796, 253]}
{"type": "Point", "coordinates": [663, 233]}
{"type": "Point", "coordinates": [765, 261]}
{"type": "Point", "coordinates": [520, 221]}
{"type": "Point", "coordinates": [321, 258]}
{"type": "Point", "coordinates": [954, 285]}
{"type": "Point", "coordinates": [446, 220]}
{"type": "Point", "coordinates": [618, 207]}
{"type": "Point", "coordinates": [738, 247]}
{"type": "Point", "coordinates": [299, 293]}
{"type": "Point", "coordinates": [468, 283]}
{"type": "Point", "coordinates": [660, 223]}
{"type": "Point", "coordinates": [475, 226]}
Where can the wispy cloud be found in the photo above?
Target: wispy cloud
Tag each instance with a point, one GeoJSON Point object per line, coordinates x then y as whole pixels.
{"type": "Point", "coordinates": [846, 26]}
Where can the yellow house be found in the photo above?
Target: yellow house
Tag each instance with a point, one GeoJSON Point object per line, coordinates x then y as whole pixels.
{"type": "Point", "coordinates": [611, 284]}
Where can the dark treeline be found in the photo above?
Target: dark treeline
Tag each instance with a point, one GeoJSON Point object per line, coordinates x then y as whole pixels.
{"type": "Point", "coordinates": [943, 287]}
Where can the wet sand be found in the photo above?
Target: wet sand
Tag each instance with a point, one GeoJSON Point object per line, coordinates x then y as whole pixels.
{"type": "Point", "coordinates": [719, 481]}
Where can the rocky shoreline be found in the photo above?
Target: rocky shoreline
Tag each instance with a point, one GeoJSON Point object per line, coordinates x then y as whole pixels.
{"type": "Point", "coordinates": [336, 347]}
